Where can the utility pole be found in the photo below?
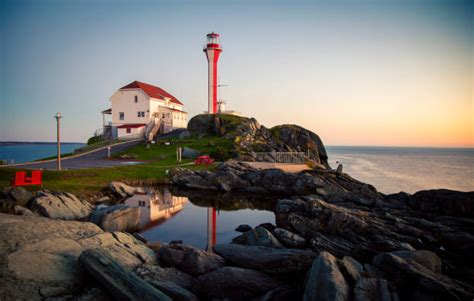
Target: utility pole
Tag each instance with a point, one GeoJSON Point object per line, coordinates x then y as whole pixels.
{"type": "Point", "coordinates": [58, 162]}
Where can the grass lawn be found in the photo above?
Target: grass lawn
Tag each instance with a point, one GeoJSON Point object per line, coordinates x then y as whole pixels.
{"type": "Point", "coordinates": [161, 157]}
{"type": "Point", "coordinates": [166, 154]}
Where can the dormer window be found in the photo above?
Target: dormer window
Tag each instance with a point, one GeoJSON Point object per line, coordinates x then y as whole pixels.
{"type": "Point", "coordinates": [136, 98]}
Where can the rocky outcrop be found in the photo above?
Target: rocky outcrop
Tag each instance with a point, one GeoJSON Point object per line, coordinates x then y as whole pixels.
{"type": "Point", "coordinates": [443, 201]}
{"type": "Point", "coordinates": [117, 218]}
{"type": "Point", "coordinates": [189, 259]}
{"type": "Point", "coordinates": [60, 205]}
{"type": "Point", "coordinates": [241, 177]}
{"type": "Point", "coordinates": [388, 250]}
{"type": "Point", "coordinates": [39, 255]}
{"type": "Point", "coordinates": [235, 284]}
{"type": "Point", "coordinates": [249, 137]}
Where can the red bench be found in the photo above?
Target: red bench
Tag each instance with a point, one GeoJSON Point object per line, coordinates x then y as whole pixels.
{"type": "Point", "coordinates": [22, 180]}
{"type": "Point", "coordinates": [203, 160]}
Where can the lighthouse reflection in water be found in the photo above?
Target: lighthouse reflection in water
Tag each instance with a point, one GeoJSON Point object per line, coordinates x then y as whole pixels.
{"type": "Point", "coordinates": [201, 219]}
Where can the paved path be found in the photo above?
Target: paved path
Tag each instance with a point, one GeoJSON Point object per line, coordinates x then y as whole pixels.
{"type": "Point", "coordinates": [92, 159]}
{"type": "Point", "coordinates": [288, 167]}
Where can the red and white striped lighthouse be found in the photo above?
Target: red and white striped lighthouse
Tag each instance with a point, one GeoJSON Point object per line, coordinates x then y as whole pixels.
{"type": "Point", "coordinates": [213, 50]}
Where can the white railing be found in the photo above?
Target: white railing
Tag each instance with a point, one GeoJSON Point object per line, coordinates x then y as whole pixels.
{"type": "Point", "coordinates": [280, 157]}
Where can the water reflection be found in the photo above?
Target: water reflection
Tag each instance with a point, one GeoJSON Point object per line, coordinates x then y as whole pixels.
{"type": "Point", "coordinates": [198, 218]}
{"type": "Point", "coordinates": [211, 228]}
{"type": "Point", "coordinates": [156, 206]}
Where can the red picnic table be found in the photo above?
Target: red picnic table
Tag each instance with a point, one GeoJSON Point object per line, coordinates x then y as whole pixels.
{"type": "Point", "coordinates": [21, 178]}
{"type": "Point", "coordinates": [206, 160]}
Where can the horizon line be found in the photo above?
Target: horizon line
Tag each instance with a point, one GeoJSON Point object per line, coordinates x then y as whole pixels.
{"type": "Point", "coordinates": [326, 145]}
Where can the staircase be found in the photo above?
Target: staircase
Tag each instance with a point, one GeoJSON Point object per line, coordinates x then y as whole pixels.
{"type": "Point", "coordinates": [151, 129]}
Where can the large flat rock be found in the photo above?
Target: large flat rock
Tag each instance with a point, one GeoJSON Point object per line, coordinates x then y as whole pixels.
{"type": "Point", "coordinates": [38, 256]}
{"type": "Point", "coordinates": [60, 205]}
{"type": "Point", "coordinates": [265, 259]}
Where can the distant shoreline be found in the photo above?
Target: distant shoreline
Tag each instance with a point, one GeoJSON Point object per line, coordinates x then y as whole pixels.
{"type": "Point", "coordinates": [5, 143]}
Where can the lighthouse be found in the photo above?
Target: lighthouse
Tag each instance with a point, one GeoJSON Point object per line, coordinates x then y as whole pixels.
{"type": "Point", "coordinates": [213, 50]}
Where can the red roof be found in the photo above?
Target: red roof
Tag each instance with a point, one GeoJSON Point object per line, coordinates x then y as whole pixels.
{"type": "Point", "coordinates": [131, 126]}
{"type": "Point", "coordinates": [152, 91]}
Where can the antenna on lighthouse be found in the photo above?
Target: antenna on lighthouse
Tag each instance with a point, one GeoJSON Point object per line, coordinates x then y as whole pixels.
{"type": "Point", "coordinates": [213, 50]}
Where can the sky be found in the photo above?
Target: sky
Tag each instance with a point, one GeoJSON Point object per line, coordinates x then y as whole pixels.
{"type": "Point", "coordinates": [385, 73]}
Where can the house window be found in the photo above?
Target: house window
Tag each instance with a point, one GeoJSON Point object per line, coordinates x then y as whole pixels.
{"type": "Point", "coordinates": [129, 130]}
{"type": "Point", "coordinates": [136, 98]}
{"type": "Point", "coordinates": [121, 115]}
{"type": "Point", "coordinates": [141, 114]}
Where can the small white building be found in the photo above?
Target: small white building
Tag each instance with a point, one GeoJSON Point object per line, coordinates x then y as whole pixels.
{"type": "Point", "coordinates": [142, 110]}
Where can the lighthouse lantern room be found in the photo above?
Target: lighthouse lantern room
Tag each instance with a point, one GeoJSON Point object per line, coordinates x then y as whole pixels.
{"type": "Point", "coordinates": [213, 50]}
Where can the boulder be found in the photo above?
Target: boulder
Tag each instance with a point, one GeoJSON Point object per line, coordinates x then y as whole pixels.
{"type": "Point", "coordinates": [269, 226]}
{"type": "Point", "coordinates": [189, 259]}
{"type": "Point", "coordinates": [258, 237]}
{"type": "Point", "coordinates": [243, 228]}
{"type": "Point", "coordinates": [289, 238]}
{"type": "Point", "coordinates": [325, 280]}
{"type": "Point", "coordinates": [300, 139]}
{"type": "Point", "coordinates": [20, 196]}
{"type": "Point", "coordinates": [351, 269]}
{"type": "Point", "coordinates": [60, 205]}
{"type": "Point", "coordinates": [123, 190]}
{"type": "Point", "coordinates": [426, 258]}
{"type": "Point", "coordinates": [119, 281]}
{"type": "Point", "coordinates": [174, 291]}
{"type": "Point", "coordinates": [234, 283]}
{"type": "Point", "coordinates": [372, 289]}
{"type": "Point", "coordinates": [265, 259]}
{"type": "Point", "coordinates": [117, 218]}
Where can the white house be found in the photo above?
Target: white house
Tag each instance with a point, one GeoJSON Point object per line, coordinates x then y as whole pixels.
{"type": "Point", "coordinates": [142, 110]}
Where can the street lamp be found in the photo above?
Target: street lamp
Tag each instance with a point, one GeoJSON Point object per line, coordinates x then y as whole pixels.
{"type": "Point", "coordinates": [58, 161]}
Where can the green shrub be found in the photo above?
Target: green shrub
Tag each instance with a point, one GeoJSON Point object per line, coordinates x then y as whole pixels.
{"type": "Point", "coordinates": [94, 140]}
{"type": "Point", "coordinates": [221, 154]}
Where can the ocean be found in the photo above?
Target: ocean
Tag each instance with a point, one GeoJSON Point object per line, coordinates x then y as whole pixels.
{"type": "Point", "coordinates": [24, 152]}
{"type": "Point", "coordinates": [409, 169]}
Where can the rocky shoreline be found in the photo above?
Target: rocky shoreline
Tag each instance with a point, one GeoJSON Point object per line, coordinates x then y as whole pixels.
{"type": "Point", "coordinates": [334, 238]}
